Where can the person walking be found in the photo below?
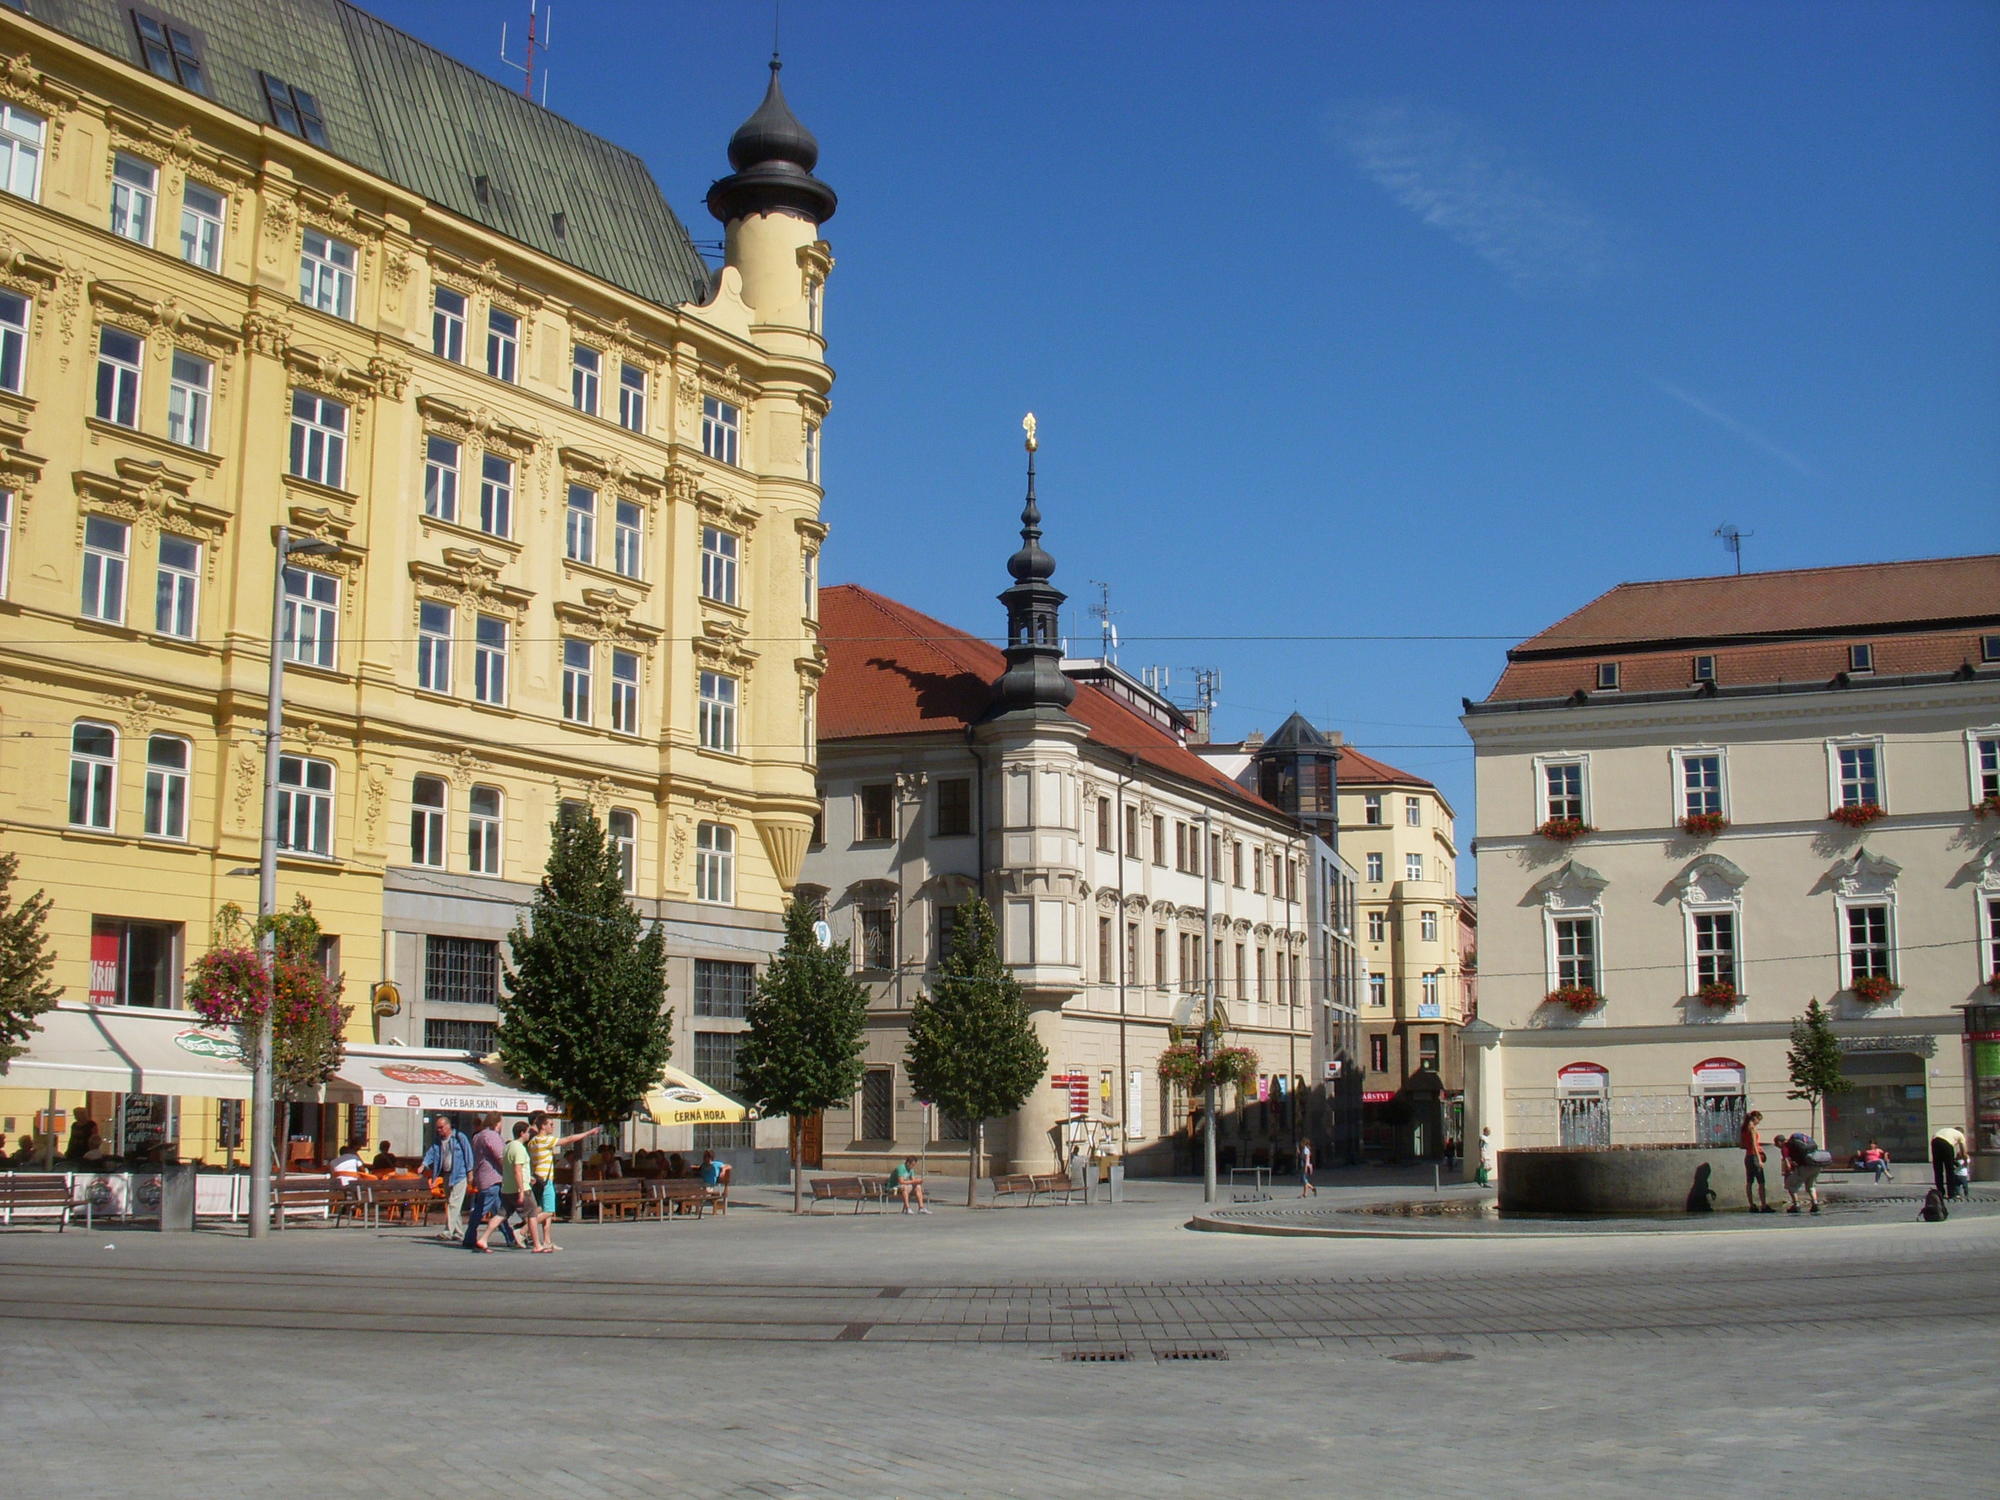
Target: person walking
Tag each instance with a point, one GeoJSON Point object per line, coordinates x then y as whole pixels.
{"type": "Point", "coordinates": [543, 1143]}
{"type": "Point", "coordinates": [1754, 1186]}
{"type": "Point", "coordinates": [448, 1164]}
{"type": "Point", "coordinates": [485, 1211]}
{"type": "Point", "coordinates": [1947, 1151]}
{"type": "Point", "coordinates": [1306, 1187]}
{"type": "Point", "coordinates": [516, 1187]}
{"type": "Point", "coordinates": [1485, 1174]}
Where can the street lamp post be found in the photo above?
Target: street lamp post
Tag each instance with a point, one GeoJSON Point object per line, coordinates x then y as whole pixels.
{"type": "Point", "coordinates": [1206, 1050]}
{"type": "Point", "coordinates": [263, 1126]}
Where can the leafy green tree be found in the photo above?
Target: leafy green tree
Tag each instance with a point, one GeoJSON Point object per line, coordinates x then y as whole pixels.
{"type": "Point", "coordinates": [802, 1053]}
{"type": "Point", "coordinates": [1814, 1060]}
{"type": "Point", "coordinates": [25, 961]}
{"type": "Point", "coordinates": [973, 1051]}
{"type": "Point", "coordinates": [582, 1017]}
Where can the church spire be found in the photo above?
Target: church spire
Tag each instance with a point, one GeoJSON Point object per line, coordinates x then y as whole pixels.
{"type": "Point", "coordinates": [1033, 682]}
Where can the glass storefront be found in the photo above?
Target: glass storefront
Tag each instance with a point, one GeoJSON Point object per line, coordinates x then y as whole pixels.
{"type": "Point", "coordinates": [1886, 1105]}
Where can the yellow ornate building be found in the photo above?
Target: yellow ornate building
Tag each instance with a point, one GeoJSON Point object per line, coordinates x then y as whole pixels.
{"type": "Point", "coordinates": [265, 268]}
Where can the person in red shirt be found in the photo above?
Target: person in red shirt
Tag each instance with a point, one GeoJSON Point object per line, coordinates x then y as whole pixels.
{"type": "Point", "coordinates": [1754, 1188]}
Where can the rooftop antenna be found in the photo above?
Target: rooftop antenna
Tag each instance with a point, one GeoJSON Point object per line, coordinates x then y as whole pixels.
{"type": "Point", "coordinates": [541, 26]}
{"type": "Point", "coordinates": [1103, 611]}
{"type": "Point", "coordinates": [1207, 684]}
{"type": "Point", "coordinates": [1733, 540]}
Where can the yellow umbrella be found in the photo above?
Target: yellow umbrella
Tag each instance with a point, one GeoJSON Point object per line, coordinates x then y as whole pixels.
{"type": "Point", "coordinates": [682, 1100]}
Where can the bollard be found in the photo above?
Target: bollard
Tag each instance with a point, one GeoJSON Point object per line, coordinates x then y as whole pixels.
{"type": "Point", "coordinates": [1435, 1185]}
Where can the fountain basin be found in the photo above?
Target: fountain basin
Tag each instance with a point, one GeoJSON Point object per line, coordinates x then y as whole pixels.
{"type": "Point", "coordinates": [1660, 1179]}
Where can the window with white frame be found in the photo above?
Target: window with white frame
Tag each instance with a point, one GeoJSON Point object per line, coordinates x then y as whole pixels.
{"type": "Point", "coordinates": [503, 344]}
{"type": "Point", "coordinates": [496, 495]}
{"type": "Point", "coordinates": [107, 546]}
{"type": "Point", "coordinates": [586, 367]}
{"type": "Point", "coordinates": [1372, 866]}
{"type": "Point", "coordinates": [1857, 773]}
{"type": "Point", "coordinates": [716, 721]}
{"type": "Point", "coordinates": [93, 775]}
{"type": "Point", "coordinates": [311, 617]}
{"type": "Point", "coordinates": [627, 535]}
{"type": "Point", "coordinates": [435, 624]}
{"type": "Point", "coordinates": [482, 830]}
{"type": "Point", "coordinates": [812, 453]}
{"type": "Point", "coordinates": [120, 357]}
{"type": "Point", "coordinates": [326, 274]}
{"type": "Point", "coordinates": [1378, 927]}
{"type": "Point", "coordinates": [1378, 989]}
{"type": "Point", "coordinates": [177, 587]}
{"type": "Point", "coordinates": [203, 213]}
{"type": "Point", "coordinates": [1869, 940]}
{"type": "Point", "coordinates": [1413, 867]}
{"type": "Point", "coordinates": [1371, 809]}
{"type": "Point", "coordinates": [442, 460]}
{"type": "Point", "coordinates": [1700, 782]}
{"type": "Point", "coordinates": [6, 538]}
{"type": "Point", "coordinates": [190, 387]}
{"type": "Point", "coordinates": [1608, 677]}
{"type": "Point", "coordinates": [815, 304]}
{"type": "Point", "coordinates": [809, 571]}
{"type": "Point", "coordinates": [721, 429]}
{"type": "Point", "coordinates": [1983, 759]}
{"type": "Point", "coordinates": [448, 324]}
{"type": "Point", "coordinates": [1563, 790]}
{"type": "Point", "coordinates": [1713, 938]}
{"type": "Point", "coordinates": [489, 660]}
{"type": "Point", "coordinates": [1427, 926]}
{"type": "Point", "coordinates": [580, 525]}
{"type": "Point", "coordinates": [1431, 1001]}
{"type": "Point", "coordinates": [168, 51]}
{"type": "Point", "coordinates": [1861, 658]}
{"type": "Point", "coordinates": [1413, 812]}
{"type": "Point", "coordinates": [168, 758]}
{"type": "Point", "coordinates": [427, 821]}
{"type": "Point", "coordinates": [21, 136]}
{"type": "Point", "coordinates": [577, 656]}
{"type": "Point", "coordinates": [715, 863]}
{"type": "Point", "coordinates": [1574, 952]}
{"type": "Point", "coordinates": [319, 439]}
{"type": "Point", "coordinates": [305, 805]}
{"type": "Point", "coordinates": [621, 826]}
{"type": "Point", "coordinates": [1703, 669]}
{"type": "Point", "coordinates": [1992, 936]}
{"type": "Point", "coordinates": [625, 692]}
{"type": "Point", "coordinates": [15, 311]}
{"type": "Point", "coordinates": [718, 564]}
{"type": "Point", "coordinates": [135, 195]}
{"type": "Point", "coordinates": [631, 396]}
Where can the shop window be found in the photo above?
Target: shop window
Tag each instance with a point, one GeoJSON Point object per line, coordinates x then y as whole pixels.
{"type": "Point", "coordinates": [461, 971]}
{"type": "Point", "coordinates": [134, 963]}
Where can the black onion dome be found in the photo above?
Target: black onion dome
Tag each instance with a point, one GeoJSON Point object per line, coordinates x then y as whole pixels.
{"type": "Point", "coordinates": [773, 155]}
{"type": "Point", "coordinates": [773, 133]}
{"type": "Point", "coordinates": [1031, 564]}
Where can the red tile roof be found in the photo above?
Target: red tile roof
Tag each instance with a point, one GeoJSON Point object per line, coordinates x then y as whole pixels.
{"type": "Point", "coordinates": [893, 670]}
{"type": "Point", "coordinates": [1357, 769]}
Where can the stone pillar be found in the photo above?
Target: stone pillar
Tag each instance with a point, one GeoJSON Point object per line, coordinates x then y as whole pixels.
{"type": "Point", "coordinates": [1485, 1091]}
{"type": "Point", "coordinates": [1026, 1138]}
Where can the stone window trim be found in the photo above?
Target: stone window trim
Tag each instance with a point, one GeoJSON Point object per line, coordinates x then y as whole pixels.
{"type": "Point", "coordinates": [1710, 885]}
{"type": "Point", "coordinates": [1544, 807]}
{"type": "Point", "coordinates": [151, 498]}
{"type": "Point", "coordinates": [603, 617]}
{"type": "Point", "coordinates": [480, 430]}
{"type": "Point", "coordinates": [1835, 795]}
{"type": "Point", "coordinates": [1981, 782]}
{"type": "Point", "coordinates": [1678, 758]}
{"type": "Point", "coordinates": [1866, 880]}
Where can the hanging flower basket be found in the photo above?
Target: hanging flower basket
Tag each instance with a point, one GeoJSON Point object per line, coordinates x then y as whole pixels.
{"type": "Point", "coordinates": [1720, 993]}
{"type": "Point", "coordinates": [1856, 814]}
{"type": "Point", "coordinates": [1183, 1064]}
{"type": "Point", "coordinates": [1993, 981]}
{"type": "Point", "coordinates": [229, 986]}
{"type": "Point", "coordinates": [1581, 998]}
{"type": "Point", "coordinates": [1564, 830]}
{"type": "Point", "coordinates": [1987, 807]}
{"type": "Point", "coordinates": [1874, 988]}
{"type": "Point", "coordinates": [1703, 825]}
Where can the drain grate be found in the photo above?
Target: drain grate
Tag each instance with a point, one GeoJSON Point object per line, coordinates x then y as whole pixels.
{"type": "Point", "coordinates": [1096, 1356]}
{"type": "Point", "coordinates": [1430, 1357]}
{"type": "Point", "coordinates": [1179, 1354]}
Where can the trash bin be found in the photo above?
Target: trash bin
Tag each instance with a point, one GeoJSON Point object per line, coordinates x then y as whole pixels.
{"type": "Point", "coordinates": [1117, 1179]}
{"type": "Point", "coordinates": [177, 1181]}
{"type": "Point", "coordinates": [1079, 1175]}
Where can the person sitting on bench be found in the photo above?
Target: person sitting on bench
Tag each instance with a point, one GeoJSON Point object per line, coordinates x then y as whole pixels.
{"type": "Point", "coordinates": [907, 1185]}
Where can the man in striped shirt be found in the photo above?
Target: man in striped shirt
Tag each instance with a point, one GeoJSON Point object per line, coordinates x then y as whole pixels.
{"type": "Point", "coordinates": [543, 1143]}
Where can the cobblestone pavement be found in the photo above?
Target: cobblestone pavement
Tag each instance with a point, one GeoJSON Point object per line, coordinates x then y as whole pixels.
{"type": "Point", "coordinates": [1045, 1351]}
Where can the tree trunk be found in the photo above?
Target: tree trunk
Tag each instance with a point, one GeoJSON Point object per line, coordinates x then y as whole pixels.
{"type": "Point", "coordinates": [973, 1141]}
{"type": "Point", "coordinates": [798, 1175]}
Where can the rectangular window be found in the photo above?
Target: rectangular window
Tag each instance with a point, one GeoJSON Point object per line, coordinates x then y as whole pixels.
{"type": "Point", "coordinates": [1992, 936]}
{"type": "Point", "coordinates": [14, 313]}
{"type": "Point", "coordinates": [1704, 668]}
{"type": "Point", "coordinates": [1427, 1043]}
{"type": "Point", "coordinates": [1859, 775]}
{"type": "Point", "coordinates": [326, 274]}
{"type": "Point", "coordinates": [135, 194]}
{"type": "Point", "coordinates": [1701, 784]}
{"type": "Point", "coordinates": [1131, 850]}
{"type": "Point", "coordinates": [6, 537]}
{"type": "Point", "coordinates": [585, 365]}
{"type": "Point", "coordinates": [1373, 866]}
{"type": "Point", "coordinates": [625, 692]}
{"type": "Point", "coordinates": [482, 830]}
{"type": "Point", "coordinates": [448, 1034]}
{"type": "Point", "coordinates": [812, 453]}
{"type": "Point", "coordinates": [878, 812]}
{"type": "Point", "coordinates": [1562, 790]}
{"type": "Point", "coordinates": [1607, 676]}
{"type": "Point", "coordinates": [106, 545]}
{"type": "Point", "coordinates": [489, 660]}
{"type": "Point", "coordinates": [189, 389]}
{"type": "Point", "coordinates": [1868, 942]}
{"type": "Point", "coordinates": [954, 807]}
{"type": "Point", "coordinates": [1413, 812]}
{"type": "Point", "coordinates": [577, 657]}
{"type": "Point", "coordinates": [580, 525]}
{"type": "Point", "coordinates": [1413, 867]}
{"type": "Point", "coordinates": [93, 775]}
{"type": "Point", "coordinates": [1104, 969]}
{"type": "Point", "coordinates": [293, 110]}
{"type": "Point", "coordinates": [176, 591]}
{"type": "Point", "coordinates": [722, 988]}
{"type": "Point", "coordinates": [947, 933]}
{"type": "Point", "coordinates": [503, 344]}
{"type": "Point", "coordinates": [718, 565]}
{"type": "Point", "coordinates": [461, 971]}
{"type": "Point", "coordinates": [1576, 952]}
{"type": "Point", "coordinates": [1427, 926]}
{"type": "Point", "coordinates": [21, 135]}
{"type": "Point", "coordinates": [715, 863]}
{"type": "Point", "coordinates": [448, 324]}
{"type": "Point", "coordinates": [434, 642]}
{"type": "Point", "coordinates": [878, 1105]}
{"type": "Point", "coordinates": [312, 617]}
{"type": "Point", "coordinates": [1985, 762]}
{"type": "Point", "coordinates": [716, 727]}
{"type": "Point", "coordinates": [627, 533]}
{"type": "Point", "coordinates": [441, 468]}
{"type": "Point", "coordinates": [1714, 947]}
{"type": "Point", "coordinates": [809, 573]}
{"type": "Point", "coordinates": [1159, 841]}
{"type": "Point", "coordinates": [631, 397]}
{"type": "Point", "coordinates": [119, 358]}
{"type": "Point", "coordinates": [319, 439]}
{"type": "Point", "coordinates": [135, 963]}
{"type": "Point", "coordinates": [1378, 989]}
{"type": "Point", "coordinates": [1861, 658]}
{"type": "Point", "coordinates": [427, 821]}
{"type": "Point", "coordinates": [621, 827]}
{"type": "Point", "coordinates": [1378, 1054]}
{"type": "Point", "coordinates": [168, 52]}
{"type": "Point", "coordinates": [1378, 926]}
{"type": "Point", "coordinates": [305, 805]}
{"type": "Point", "coordinates": [878, 937]}
{"type": "Point", "coordinates": [1371, 809]}
{"type": "Point", "coordinates": [1104, 823]}
{"type": "Point", "coordinates": [496, 495]}
{"type": "Point", "coordinates": [721, 428]}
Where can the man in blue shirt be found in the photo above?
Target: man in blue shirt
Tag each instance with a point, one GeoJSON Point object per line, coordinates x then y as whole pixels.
{"type": "Point", "coordinates": [450, 1160]}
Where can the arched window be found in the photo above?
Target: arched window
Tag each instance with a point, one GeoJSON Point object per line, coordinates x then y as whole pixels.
{"type": "Point", "coordinates": [93, 775]}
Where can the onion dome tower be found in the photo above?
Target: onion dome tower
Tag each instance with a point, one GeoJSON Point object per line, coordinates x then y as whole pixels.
{"type": "Point", "coordinates": [1033, 683]}
{"type": "Point", "coordinates": [773, 155]}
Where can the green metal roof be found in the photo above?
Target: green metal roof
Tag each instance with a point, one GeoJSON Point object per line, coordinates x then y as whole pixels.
{"type": "Point", "coordinates": [409, 113]}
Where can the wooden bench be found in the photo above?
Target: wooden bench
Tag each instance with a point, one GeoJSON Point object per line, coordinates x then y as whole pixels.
{"type": "Point", "coordinates": [370, 1202]}
{"type": "Point", "coordinates": [682, 1195]}
{"type": "Point", "coordinates": [861, 1191]}
{"type": "Point", "coordinates": [41, 1194]}
{"type": "Point", "coordinates": [303, 1197]}
{"type": "Point", "coordinates": [1033, 1184]}
{"type": "Point", "coordinates": [619, 1198]}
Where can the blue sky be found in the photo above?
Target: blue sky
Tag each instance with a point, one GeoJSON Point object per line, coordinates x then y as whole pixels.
{"type": "Point", "coordinates": [1365, 339]}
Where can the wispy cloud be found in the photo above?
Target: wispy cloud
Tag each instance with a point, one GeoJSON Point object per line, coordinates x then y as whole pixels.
{"type": "Point", "coordinates": [1536, 235]}
{"type": "Point", "coordinates": [1742, 429]}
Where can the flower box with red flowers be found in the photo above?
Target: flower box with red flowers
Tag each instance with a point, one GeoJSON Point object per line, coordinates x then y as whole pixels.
{"type": "Point", "coordinates": [1856, 814]}
{"type": "Point", "coordinates": [1987, 807]}
{"type": "Point", "coordinates": [1874, 988]}
{"type": "Point", "coordinates": [1719, 993]}
{"type": "Point", "coordinates": [1993, 981]}
{"type": "Point", "coordinates": [1580, 998]}
{"type": "Point", "coordinates": [1703, 825]}
{"type": "Point", "coordinates": [1562, 830]}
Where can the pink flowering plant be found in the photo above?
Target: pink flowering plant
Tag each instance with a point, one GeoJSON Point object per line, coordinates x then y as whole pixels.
{"type": "Point", "coordinates": [230, 985]}
{"type": "Point", "coordinates": [1182, 1063]}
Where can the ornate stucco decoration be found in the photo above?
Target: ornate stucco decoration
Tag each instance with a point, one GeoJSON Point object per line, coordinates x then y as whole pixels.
{"type": "Point", "coordinates": [1572, 887]}
{"type": "Point", "coordinates": [180, 154]}
{"type": "Point", "coordinates": [166, 323]}
{"type": "Point", "coordinates": [721, 643]}
{"type": "Point", "coordinates": [737, 515]}
{"type": "Point", "coordinates": [464, 768]}
{"type": "Point", "coordinates": [812, 532]}
{"type": "Point", "coordinates": [20, 470]}
{"type": "Point", "coordinates": [610, 474]}
{"type": "Point", "coordinates": [1865, 874]}
{"type": "Point", "coordinates": [152, 498]}
{"type": "Point", "coordinates": [323, 371]}
{"type": "Point", "coordinates": [471, 577]}
{"type": "Point", "coordinates": [619, 338]}
{"type": "Point", "coordinates": [26, 270]}
{"type": "Point", "coordinates": [26, 84]}
{"type": "Point", "coordinates": [606, 615]}
{"type": "Point", "coordinates": [817, 262]}
{"type": "Point", "coordinates": [479, 425]}
{"type": "Point", "coordinates": [1710, 881]}
{"type": "Point", "coordinates": [1985, 869]}
{"type": "Point", "coordinates": [486, 279]}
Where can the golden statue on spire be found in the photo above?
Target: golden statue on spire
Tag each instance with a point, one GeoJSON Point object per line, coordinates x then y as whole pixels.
{"type": "Point", "coordinates": [1028, 426]}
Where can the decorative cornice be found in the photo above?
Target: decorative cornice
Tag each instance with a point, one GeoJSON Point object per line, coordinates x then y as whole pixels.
{"type": "Point", "coordinates": [479, 425]}
{"type": "Point", "coordinates": [471, 577]}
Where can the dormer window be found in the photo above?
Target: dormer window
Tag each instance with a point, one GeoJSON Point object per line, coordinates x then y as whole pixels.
{"type": "Point", "coordinates": [1704, 669]}
{"type": "Point", "coordinates": [1861, 658]}
{"type": "Point", "coordinates": [1989, 649]}
{"type": "Point", "coordinates": [294, 111]}
{"type": "Point", "coordinates": [1607, 676]}
{"type": "Point", "coordinates": [169, 51]}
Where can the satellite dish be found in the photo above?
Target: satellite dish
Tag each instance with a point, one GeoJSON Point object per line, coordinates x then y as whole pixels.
{"type": "Point", "coordinates": [822, 933]}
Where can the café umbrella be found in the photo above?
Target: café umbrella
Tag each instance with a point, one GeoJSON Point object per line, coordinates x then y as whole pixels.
{"type": "Point", "coordinates": [679, 1099]}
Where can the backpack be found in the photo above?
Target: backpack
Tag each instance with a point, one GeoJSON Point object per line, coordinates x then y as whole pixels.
{"type": "Point", "coordinates": [1934, 1211]}
{"type": "Point", "coordinates": [1804, 1147]}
